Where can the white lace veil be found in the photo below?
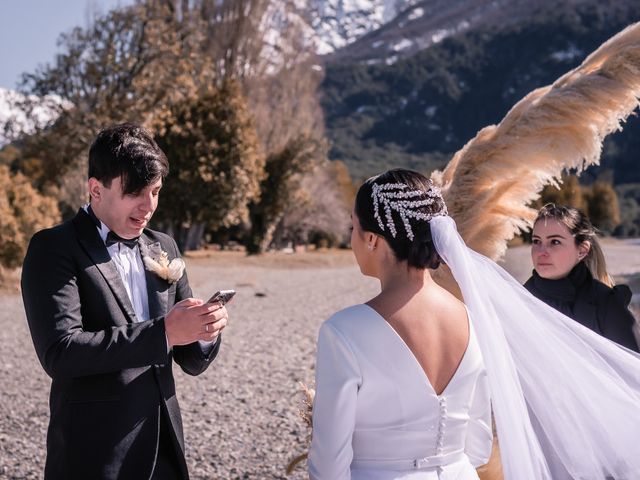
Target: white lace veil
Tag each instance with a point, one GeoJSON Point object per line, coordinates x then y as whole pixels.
{"type": "Point", "coordinates": [566, 400]}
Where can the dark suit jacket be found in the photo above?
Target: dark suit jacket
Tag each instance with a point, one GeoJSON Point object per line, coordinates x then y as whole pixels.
{"type": "Point", "coordinates": [111, 376]}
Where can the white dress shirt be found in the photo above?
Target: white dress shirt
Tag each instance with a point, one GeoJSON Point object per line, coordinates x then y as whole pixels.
{"type": "Point", "coordinates": [128, 262]}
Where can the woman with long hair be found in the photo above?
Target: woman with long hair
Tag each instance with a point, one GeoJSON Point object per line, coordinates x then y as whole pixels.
{"type": "Point", "coordinates": [570, 274]}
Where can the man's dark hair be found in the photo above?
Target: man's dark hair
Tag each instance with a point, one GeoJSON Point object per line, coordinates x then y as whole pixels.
{"type": "Point", "coordinates": [127, 151]}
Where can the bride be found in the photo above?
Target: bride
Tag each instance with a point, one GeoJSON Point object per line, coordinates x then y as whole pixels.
{"type": "Point", "coordinates": [406, 383]}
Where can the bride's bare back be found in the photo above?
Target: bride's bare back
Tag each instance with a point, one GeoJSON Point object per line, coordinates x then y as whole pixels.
{"type": "Point", "coordinates": [434, 326]}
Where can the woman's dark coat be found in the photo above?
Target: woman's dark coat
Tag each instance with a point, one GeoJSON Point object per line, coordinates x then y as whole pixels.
{"type": "Point", "coordinates": [589, 302]}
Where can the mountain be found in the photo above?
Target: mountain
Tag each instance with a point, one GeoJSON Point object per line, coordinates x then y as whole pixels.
{"type": "Point", "coordinates": [12, 115]}
{"type": "Point", "coordinates": [338, 23]}
{"type": "Point", "coordinates": [420, 24]}
{"type": "Point", "coordinates": [424, 106]}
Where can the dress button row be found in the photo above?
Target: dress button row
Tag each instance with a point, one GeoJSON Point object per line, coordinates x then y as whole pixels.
{"type": "Point", "coordinates": [441, 425]}
{"type": "Point", "coordinates": [443, 406]}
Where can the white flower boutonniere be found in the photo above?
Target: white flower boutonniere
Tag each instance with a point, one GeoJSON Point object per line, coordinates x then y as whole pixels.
{"type": "Point", "coordinates": [157, 261]}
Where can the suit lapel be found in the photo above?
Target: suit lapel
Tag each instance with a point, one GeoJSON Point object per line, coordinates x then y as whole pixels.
{"type": "Point", "coordinates": [157, 288]}
{"type": "Point", "coordinates": [94, 246]}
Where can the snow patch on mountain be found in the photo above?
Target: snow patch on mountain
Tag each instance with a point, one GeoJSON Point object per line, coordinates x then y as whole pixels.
{"type": "Point", "coordinates": [14, 121]}
{"type": "Point", "coordinates": [415, 13]}
{"type": "Point", "coordinates": [401, 45]}
{"type": "Point", "coordinates": [417, 25]}
{"type": "Point", "coordinates": [340, 22]}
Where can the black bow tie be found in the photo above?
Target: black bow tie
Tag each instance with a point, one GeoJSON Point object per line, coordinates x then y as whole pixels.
{"type": "Point", "coordinates": [113, 238]}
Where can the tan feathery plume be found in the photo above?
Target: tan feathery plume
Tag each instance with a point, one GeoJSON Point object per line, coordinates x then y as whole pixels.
{"type": "Point", "coordinates": [491, 180]}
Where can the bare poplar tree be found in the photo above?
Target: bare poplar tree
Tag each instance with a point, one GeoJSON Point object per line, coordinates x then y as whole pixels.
{"type": "Point", "coordinates": [321, 207]}
{"type": "Point", "coordinates": [267, 45]}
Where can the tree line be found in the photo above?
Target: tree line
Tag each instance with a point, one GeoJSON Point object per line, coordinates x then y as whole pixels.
{"type": "Point", "coordinates": [599, 200]}
{"type": "Point", "coordinates": [234, 107]}
{"type": "Point", "coordinates": [237, 111]}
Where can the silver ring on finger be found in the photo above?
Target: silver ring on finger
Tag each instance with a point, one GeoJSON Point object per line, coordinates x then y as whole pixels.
{"type": "Point", "coordinates": [206, 327]}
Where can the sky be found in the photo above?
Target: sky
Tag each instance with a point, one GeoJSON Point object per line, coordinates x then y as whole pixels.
{"type": "Point", "coordinates": [29, 30]}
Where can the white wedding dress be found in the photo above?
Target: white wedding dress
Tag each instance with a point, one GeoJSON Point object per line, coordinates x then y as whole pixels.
{"type": "Point", "coordinates": [376, 416]}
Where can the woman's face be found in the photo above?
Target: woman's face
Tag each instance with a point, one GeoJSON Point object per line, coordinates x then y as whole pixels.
{"type": "Point", "coordinates": [554, 251]}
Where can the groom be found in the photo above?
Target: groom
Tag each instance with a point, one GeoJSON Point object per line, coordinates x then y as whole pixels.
{"type": "Point", "coordinates": [107, 330]}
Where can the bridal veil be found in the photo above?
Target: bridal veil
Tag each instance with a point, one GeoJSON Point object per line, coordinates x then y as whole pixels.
{"type": "Point", "coordinates": [566, 401]}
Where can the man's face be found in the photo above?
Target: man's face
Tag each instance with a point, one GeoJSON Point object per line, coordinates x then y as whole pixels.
{"type": "Point", "coordinates": [125, 214]}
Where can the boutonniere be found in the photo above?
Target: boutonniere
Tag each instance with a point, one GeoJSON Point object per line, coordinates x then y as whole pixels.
{"type": "Point", "coordinates": [157, 261]}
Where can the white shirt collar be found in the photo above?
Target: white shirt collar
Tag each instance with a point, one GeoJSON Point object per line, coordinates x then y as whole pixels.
{"type": "Point", "coordinates": [103, 230]}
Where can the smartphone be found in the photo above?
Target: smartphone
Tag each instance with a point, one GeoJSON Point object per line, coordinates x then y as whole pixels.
{"type": "Point", "coordinates": [222, 296]}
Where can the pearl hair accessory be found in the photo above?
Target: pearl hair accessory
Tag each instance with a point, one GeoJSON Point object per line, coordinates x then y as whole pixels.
{"type": "Point", "coordinates": [394, 197]}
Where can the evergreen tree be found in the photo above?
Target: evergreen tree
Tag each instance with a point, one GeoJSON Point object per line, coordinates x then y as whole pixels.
{"type": "Point", "coordinates": [215, 164]}
{"type": "Point", "coordinates": [599, 200]}
{"type": "Point", "coordinates": [150, 63]}
{"type": "Point", "coordinates": [569, 192]}
{"type": "Point", "coordinates": [603, 206]}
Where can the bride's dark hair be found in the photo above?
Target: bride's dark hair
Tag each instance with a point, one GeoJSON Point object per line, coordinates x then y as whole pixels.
{"type": "Point", "coordinates": [419, 252]}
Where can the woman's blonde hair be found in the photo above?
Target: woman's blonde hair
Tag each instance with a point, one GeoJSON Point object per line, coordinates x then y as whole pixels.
{"type": "Point", "coordinates": [583, 231]}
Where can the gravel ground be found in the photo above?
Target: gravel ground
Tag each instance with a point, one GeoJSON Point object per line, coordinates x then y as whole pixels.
{"type": "Point", "coordinates": [240, 417]}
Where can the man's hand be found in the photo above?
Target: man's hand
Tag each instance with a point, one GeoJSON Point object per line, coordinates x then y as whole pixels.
{"type": "Point", "coordinates": [192, 319]}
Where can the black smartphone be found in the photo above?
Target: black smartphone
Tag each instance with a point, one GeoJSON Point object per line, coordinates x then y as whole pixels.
{"type": "Point", "coordinates": [222, 297]}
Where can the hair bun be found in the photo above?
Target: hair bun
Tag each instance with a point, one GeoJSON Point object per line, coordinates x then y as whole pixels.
{"type": "Point", "coordinates": [398, 206]}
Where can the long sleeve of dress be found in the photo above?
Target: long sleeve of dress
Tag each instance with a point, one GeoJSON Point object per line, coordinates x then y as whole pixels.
{"type": "Point", "coordinates": [337, 381]}
{"type": "Point", "coordinates": [480, 434]}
